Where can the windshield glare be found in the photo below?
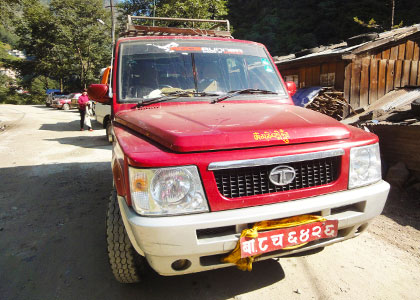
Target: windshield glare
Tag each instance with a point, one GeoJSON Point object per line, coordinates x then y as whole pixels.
{"type": "Point", "coordinates": [149, 69]}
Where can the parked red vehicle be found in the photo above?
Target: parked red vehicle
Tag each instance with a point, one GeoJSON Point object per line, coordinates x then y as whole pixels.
{"type": "Point", "coordinates": [61, 102]}
{"type": "Point", "coordinates": [66, 102]}
{"type": "Point", "coordinates": [208, 144]}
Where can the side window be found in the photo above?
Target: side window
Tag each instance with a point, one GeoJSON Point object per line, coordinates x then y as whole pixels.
{"type": "Point", "coordinates": [261, 74]}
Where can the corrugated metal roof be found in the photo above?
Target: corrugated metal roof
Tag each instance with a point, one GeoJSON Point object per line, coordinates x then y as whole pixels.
{"type": "Point", "coordinates": [394, 101]}
{"type": "Point", "coordinates": [402, 100]}
{"type": "Point", "coordinates": [342, 48]}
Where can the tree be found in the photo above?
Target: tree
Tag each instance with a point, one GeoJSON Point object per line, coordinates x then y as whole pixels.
{"type": "Point", "coordinates": [287, 26]}
{"type": "Point", "coordinates": [38, 36]}
{"type": "Point", "coordinates": [83, 42]}
{"type": "Point", "coordinates": [66, 41]}
{"type": "Point", "coordinates": [193, 9]}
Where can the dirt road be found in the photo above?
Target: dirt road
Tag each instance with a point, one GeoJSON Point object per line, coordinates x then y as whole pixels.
{"type": "Point", "coordinates": [54, 184]}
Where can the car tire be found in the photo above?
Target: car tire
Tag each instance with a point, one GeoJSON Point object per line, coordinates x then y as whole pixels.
{"type": "Point", "coordinates": [108, 130]}
{"type": "Point", "coordinates": [126, 263]}
{"type": "Point", "coordinates": [47, 104]}
{"type": "Point", "coordinates": [66, 106]}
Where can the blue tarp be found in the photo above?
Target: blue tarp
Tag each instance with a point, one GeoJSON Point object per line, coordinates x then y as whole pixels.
{"type": "Point", "coordinates": [49, 91]}
{"type": "Point", "coordinates": [303, 96]}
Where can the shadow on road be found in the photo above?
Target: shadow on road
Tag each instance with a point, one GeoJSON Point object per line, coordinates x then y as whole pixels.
{"type": "Point", "coordinates": [85, 141]}
{"type": "Point", "coordinates": [69, 126]}
{"type": "Point", "coordinates": [403, 207]}
{"type": "Point", "coordinates": [52, 242]}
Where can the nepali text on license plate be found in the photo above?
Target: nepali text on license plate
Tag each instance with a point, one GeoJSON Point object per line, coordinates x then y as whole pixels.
{"type": "Point", "coordinates": [286, 237]}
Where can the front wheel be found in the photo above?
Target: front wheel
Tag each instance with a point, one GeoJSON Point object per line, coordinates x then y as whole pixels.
{"type": "Point", "coordinates": [66, 106]}
{"type": "Point", "coordinates": [126, 263]}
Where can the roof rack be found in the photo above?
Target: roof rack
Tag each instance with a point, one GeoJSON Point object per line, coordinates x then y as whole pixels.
{"type": "Point", "coordinates": [140, 30]}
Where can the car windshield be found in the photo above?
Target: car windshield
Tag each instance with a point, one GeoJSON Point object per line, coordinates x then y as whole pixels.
{"type": "Point", "coordinates": [149, 69]}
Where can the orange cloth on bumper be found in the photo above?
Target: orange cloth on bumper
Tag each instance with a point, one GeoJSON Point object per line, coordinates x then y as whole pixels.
{"type": "Point", "coordinates": [245, 264]}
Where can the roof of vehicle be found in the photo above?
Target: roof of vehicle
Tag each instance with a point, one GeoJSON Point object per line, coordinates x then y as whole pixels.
{"type": "Point", "coordinates": [139, 38]}
{"type": "Point", "coordinates": [134, 30]}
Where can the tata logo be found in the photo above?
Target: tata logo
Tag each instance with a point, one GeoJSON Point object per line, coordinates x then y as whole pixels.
{"type": "Point", "coordinates": [282, 175]}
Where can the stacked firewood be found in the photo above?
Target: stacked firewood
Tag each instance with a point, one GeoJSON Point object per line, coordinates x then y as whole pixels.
{"type": "Point", "coordinates": [331, 103]}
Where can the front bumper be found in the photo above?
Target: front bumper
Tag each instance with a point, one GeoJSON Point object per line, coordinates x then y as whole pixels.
{"type": "Point", "coordinates": [204, 238]}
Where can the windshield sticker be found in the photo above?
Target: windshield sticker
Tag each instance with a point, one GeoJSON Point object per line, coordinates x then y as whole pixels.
{"type": "Point", "coordinates": [275, 135]}
{"type": "Point", "coordinates": [183, 49]}
{"type": "Point", "coordinates": [167, 48]}
{"type": "Point", "coordinates": [265, 61]}
{"type": "Point", "coordinates": [268, 69]}
{"type": "Point", "coordinates": [207, 50]}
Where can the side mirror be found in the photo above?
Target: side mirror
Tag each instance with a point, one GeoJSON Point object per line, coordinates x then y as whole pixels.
{"type": "Point", "coordinates": [291, 88]}
{"type": "Point", "coordinates": [99, 93]}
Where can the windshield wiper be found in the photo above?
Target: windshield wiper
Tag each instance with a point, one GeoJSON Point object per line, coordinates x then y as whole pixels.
{"type": "Point", "coordinates": [173, 95]}
{"type": "Point", "coordinates": [239, 92]}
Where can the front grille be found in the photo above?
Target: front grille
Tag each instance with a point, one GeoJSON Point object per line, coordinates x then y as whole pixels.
{"type": "Point", "coordinates": [250, 181]}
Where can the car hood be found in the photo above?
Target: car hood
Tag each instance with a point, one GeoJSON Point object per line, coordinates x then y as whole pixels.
{"type": "Point", "coordinates": [221, 126]}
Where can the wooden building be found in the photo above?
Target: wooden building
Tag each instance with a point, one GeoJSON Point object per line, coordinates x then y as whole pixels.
{"type": "Point", "coordinates": [365, 68]}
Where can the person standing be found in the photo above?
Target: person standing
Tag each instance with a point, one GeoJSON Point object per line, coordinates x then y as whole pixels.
{"type": "Point", "coordinates": [83, 102]}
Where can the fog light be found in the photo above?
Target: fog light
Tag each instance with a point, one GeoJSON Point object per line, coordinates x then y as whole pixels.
{"type": "Point", "coordinates": [181, 264]}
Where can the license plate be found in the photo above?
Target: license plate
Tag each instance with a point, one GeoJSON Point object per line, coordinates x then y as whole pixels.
{"type": "Point", "coordinates": [272, 240]}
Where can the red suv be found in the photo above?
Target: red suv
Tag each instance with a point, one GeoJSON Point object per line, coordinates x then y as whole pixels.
{"type": "Point", "coordinates": [214, 166]}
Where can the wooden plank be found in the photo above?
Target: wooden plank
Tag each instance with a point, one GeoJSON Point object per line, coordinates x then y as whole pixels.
{"type": "Point", "coordinates": [315, 75]}
{"type": "Point", "coordinates": [355, 84]}
{"type": "Point", "coordinates": [394, 53]}
{"type": "Point", "coordinates": [339, 76]}
{"type": "Point", "coordinates": [401, 51]}
{"type": "Point", "coordinates": [409, 50]}
{"type": "Point", "coordinates": [324, 74]}
{"type": "Point", "coordinates": [416, 53]}
{"type": "Point", "coordinates": [398, 73]}
{"type": "Point", "coordinates": [418, 73]}
{"type": "Point", "coordinates": [347, 81]}
{"type": "Point", "coordinates": [386, 53]}
{"type": "Point", "coordinates": [379, 55]}
{"type": "Point", "coordinates": [382, 77]}
{"type": "Point", "coordinates": [308, 76]}
{"type": "Point", "coordinates": [332, 67]}
{"type": "Point", "coordinates": [302, 78]}
{"type": "Point", "coordinates": [405, 77]}
{"type": "Point", "coordinates": [364, 82]}
{"type": "Point", "coordinates": [413, 73]}
{"type": "Point", "coordinates": [373, 84]}
{"type": "Point", "coordinates": [284, 73]}
{"type": "Point", "coordinates": [390, 76]}
{"type": "Point", "coordinates": [399, 143]}
{"type": "Point", "coordinates": [324, 68]}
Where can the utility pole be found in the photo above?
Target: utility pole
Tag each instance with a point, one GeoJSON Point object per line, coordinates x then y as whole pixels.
{"type": "Point", "coordinates": [112, 23]}
{"type": "Point", "coordinates": [112, 47]}
{"type": "Point", "coordinates": [154, 11]}
{"type": "Point", "coordinates": [392, 13]}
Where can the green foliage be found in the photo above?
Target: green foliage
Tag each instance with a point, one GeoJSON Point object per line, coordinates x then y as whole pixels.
{"type": "Point", "coordinates": [136, 7]}
{"type": "Point", "coordinates": [39, 84]}
{"type": "Point", "coordinates": [8, 37]}
{"type": "Point", "coordinates": [297, 25]}
{"type": "Point", "coordinates": [66, 40]}
{"type": "Point", "coordinates": [197, 9]}
{"type": "Point", "coordinates": [193, 9]}
{"type": "Point", "coordinates": [81, 39]}
{"type": "Point", "coordinates": [370, 24]}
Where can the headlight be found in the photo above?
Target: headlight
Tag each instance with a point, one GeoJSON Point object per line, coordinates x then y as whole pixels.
{"type": "Point", "coordinates": [365, 166]}
{"type": "Point", "coordinates": [167, 191]}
